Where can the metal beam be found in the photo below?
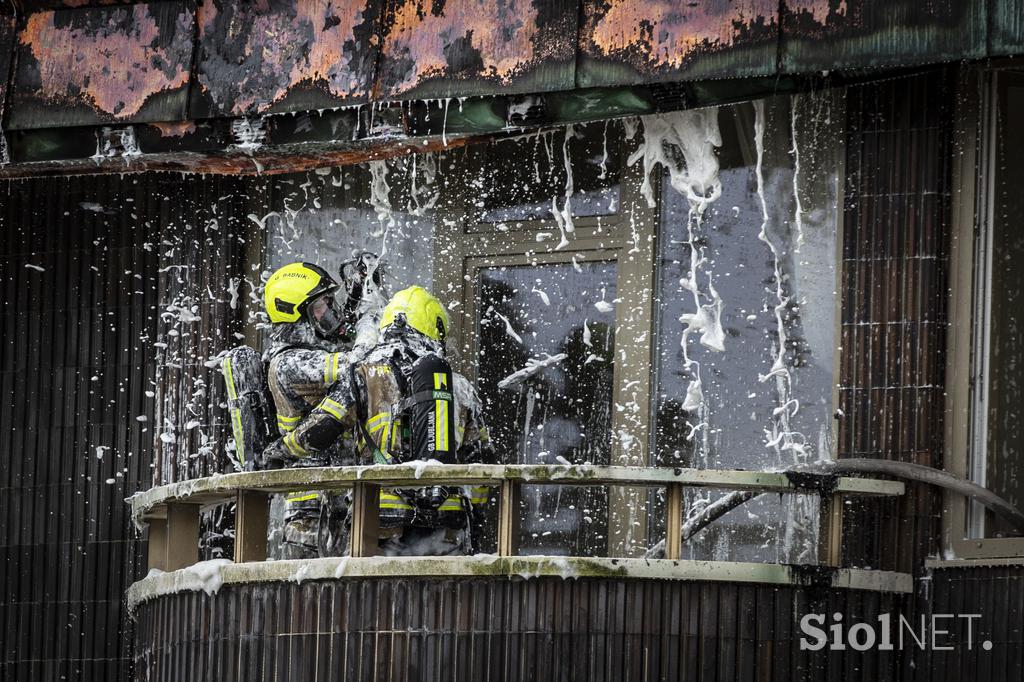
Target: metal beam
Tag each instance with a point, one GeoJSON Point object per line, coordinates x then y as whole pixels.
{"type": "Point", "coordinates": [218, 489]}
{"type": "Point", "coordinates": [489, 565]}
{"type": "Point", "coordinates": [251, 516]}
{"type": "Point", "coordinates": [674, 522]}
{"type": "Point", "coordinates": [157, 550]}
{"type": "Point", "coordinates": [182, 535]}
{"type": "Point", "coordinates": [508, 518]}
{"type": "Point", "coordinates": [365, 512]}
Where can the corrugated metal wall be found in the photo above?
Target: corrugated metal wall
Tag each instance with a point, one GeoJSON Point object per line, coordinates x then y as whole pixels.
{"type": "Point", "coordinates": [470, 630]}
{"type": "Point", "coordinates": [896, 223]}
{"type": "Point", "coordinates": [204, 233]}
{"type": "Point", "coordinates": [86, 288]}
{"type": "Point", "coordinates": [997, 594]}
{"type": "Point", "coordinates": [78, 320]}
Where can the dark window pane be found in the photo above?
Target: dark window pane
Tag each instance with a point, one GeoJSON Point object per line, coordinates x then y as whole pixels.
{"type": "Point", "coordinates": [1005, 437]}
{"type": "Point", "coordinates": [535, 312]}
{"type": "Point", "coordinates": [561, 413]}
{"type": "Point", "coordinates": [758, 395]}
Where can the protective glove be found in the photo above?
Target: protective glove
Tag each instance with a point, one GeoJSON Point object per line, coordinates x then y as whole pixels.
{"type": "Point", "coordinates": [273, 457]}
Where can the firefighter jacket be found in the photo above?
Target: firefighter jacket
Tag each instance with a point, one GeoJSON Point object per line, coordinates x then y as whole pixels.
{"type": "Point", "coordinates": [366, 399]}
{"type": "Point", "coordinates": [301, 369]}
{"type": "Point", "coordinates": [369, 388]}
{"type": "Point", "coordinates": [371, 382]}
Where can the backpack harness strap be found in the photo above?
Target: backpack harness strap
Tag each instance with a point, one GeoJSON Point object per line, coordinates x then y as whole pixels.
{"type": "Point", "coordinates": [379, 456]}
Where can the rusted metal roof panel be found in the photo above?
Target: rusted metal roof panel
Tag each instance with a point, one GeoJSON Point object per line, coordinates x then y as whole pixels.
{"type": "Point", "coordinates": [36, 5]}
{"type": "Point", "coordinates": [1006, 27]}
{"type": "Point", "coordinates": [642, 41]}
{"type": "Point", "coordinates": [284, 55]}
{"type": "Point", "coordinates": [448, 48]}
{"type": "Point", "coordinates": [103, 65]}
{"type": "Point", "coordinates": [7, 38]}
{"type": "Point", "coordinates": [844, 34]}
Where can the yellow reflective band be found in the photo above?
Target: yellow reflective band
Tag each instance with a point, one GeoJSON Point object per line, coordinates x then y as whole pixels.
{"type": "Point", "coordinates": [393, 501]}
{"type": "Point", "coordinates": [440, 414]}
{"type": "Point", "coordinates": [484, 436]}
{"type": "Point", "coordinates": [226, 366]}
{"type": "Point", "coordinates": [479, 494]}
{"type": "Point", "coordinates": [287, 424]}
{"type": "Point", "coordinates": [396, 434]}
{"type": "Point", "coordinates": [331, 368]}
{"type": "Point", "coordinates": [293, 446]}
{"type": "Point", "coordinates": [378, 422]}
{"type": "Point", "coordinates": [236, 427]}
{"type": "Point", "coordinates": [385, 440]}
{"type": "Point", "coordinates": [442, 424]}
{"type": "Point", "coordinates": [395, 505]}
{"type": "Point", "coordinates": [451, 504]}
{"type": "Point", "coordinates": [333, 408]}
{"type": "Point", "coordinates": [301, 497]}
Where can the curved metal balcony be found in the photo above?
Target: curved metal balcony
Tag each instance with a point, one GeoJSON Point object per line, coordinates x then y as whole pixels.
{"type": "Point", "coordinates": [262, 618]}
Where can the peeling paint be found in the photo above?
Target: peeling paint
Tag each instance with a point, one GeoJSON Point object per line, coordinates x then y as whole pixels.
{"type": "Point", "coordinates": [499, 42]}
{"type": "Point", "coordinates": [819, 10]}
{"type": "Point", "coordinates": [35, 5]}
{"type": "Point", "coordinates": [501, 39]}
{"type": "Point", "coordinates": [113, 60]}
{"type": "Point", "coordinates": [666, 34]}
{"type": "Point", "coordinates": [255, 54]}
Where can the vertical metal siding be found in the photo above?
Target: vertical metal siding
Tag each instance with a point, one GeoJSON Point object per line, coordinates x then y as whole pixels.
{"type": "Point", "coordinates": [202, 227]}
{"type": "Point", "coordinates": [79, 350]}
{"type": "Point", "coordinates": [897, 213]}
{"type": "Point", "coordinates": [74, 366]}
{"type": "Point", "coordinates": [997, 594]}
{"type": "Point", "coordinates": [423, 629]}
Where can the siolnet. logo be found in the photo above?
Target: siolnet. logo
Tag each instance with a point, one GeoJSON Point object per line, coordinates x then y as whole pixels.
{"type": "Point", "coordinates": [939, 632]}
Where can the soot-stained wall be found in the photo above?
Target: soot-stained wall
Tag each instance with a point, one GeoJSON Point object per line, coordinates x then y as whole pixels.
{"type": "Point", "coordinates": [90, 284]}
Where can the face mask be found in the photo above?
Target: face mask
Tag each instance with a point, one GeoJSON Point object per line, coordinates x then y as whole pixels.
{"type": "Point", "coordinates": [324, 317]}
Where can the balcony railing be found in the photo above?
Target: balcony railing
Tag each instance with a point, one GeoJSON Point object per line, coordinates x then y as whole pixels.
{"type": "Point", "coordinates": [172, 513]}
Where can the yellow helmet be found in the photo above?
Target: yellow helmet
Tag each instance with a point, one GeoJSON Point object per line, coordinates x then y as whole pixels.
{"type": "Point", "coordinates": [291, 287]}
{"type": "Point", "coordinates": [421, 311]}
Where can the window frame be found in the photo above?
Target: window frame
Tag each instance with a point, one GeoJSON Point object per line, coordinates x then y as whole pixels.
{"type": "Point", "coordinates": [627, 238]}
{"type": "Point", "coordinates": [464, 245]}
{"type": "Point", "coordinates": [968, 344]}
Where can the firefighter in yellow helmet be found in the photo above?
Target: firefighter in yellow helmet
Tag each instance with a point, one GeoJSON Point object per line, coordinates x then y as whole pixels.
{"type": "Point", "coordinates": [315, 323]}
{"type": "Point", "coordinates": [406, 403]}
{"type": "Point", "coordinates": [313, 333]}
